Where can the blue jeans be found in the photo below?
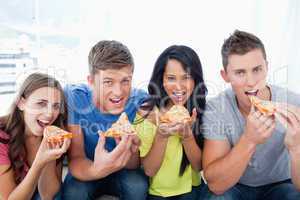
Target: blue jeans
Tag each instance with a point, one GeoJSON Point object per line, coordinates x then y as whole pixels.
{"type": "Point", "coordinates": [196, 192]}
{"type": "Point", "coordinates": [283, 190]}
{"type": "Point", "coordinates": [126, 184]}
{"type": "Point", "coordinates": [36, 196]}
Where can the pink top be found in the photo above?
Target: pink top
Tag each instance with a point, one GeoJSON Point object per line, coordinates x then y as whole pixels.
{"type": "Point", "coordinates": [4, 158]}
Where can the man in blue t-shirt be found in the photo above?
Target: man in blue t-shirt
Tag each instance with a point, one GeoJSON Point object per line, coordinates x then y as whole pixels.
{"type": "Point", "coordinates": [97, 164]}
{"type": "Point", "coordinates": [248, 154]}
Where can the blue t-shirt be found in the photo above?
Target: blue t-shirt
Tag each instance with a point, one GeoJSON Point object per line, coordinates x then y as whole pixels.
{"type": "Point", "coordinates": [83, 112]}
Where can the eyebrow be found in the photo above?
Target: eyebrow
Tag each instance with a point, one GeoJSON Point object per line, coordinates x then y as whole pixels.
{"type": "Point", "coordinates": [258, 66]}
{"type": "Point", "coordinates": [245, 69]}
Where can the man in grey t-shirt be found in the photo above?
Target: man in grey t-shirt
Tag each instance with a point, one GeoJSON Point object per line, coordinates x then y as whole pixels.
{"type": "Point", "coordinates": [249, 155]}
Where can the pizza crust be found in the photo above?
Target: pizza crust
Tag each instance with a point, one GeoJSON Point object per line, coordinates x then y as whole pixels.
{"type": "Point", "coordinates": [265, 107]}
{"type": "Point", "coordinates": [56, 134]}
{"type": "Point", "coordinates": [177, 113]}
{"type": "Point", "coordinates": [121, 127]}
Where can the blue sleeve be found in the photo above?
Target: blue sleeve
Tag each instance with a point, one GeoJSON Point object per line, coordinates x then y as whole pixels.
{"type": "Point", "coordinates": [77, 101]}
{"type": "Point", "coordinates": [136, 99]}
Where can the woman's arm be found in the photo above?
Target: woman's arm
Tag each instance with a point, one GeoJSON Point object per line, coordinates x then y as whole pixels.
{"type": "Point", "coordinates": [25, 190]}
{"type": "Point", "coordinates": [153, 160]}
{"type": "Point", "coordinates": [192, 151]}
{"type": "Point", "coordinates": [50, 180]}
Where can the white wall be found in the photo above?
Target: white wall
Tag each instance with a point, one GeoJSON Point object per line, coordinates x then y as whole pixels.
{"type": "Point", "coordinates": [148, 27]}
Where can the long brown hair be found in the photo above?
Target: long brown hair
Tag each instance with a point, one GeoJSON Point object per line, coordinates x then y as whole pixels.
{"type": "Point", "coordinates": [13, 123]}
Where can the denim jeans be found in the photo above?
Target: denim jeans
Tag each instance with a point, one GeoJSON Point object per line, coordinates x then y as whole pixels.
{"type": "Point", "coordinates": [126, 184]}
{"type": "Point", "coordinates": [283, 190]}
{"type": "Point", "coordinates": [36, 196]}
{"type": "Point", "coordinates": [193, 195]}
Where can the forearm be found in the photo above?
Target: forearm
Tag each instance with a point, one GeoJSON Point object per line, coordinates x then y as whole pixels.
{"type": "Point", "coordinates": [134, 161]}
{"type": "Point", "coordinates": [27, 187]}
{"type": "Point", "coordinates": [295, 166]}
{"type": "Point", "coordinates": [153, 160]}
{"type": "Point", "coordinates": [193, 152]}
{"type": "Point", "coordinates": [84, 170]}
{"type": "Point", "coordinates": [225, 172]}
{"type": "Point", "coordinates": [50, 180]}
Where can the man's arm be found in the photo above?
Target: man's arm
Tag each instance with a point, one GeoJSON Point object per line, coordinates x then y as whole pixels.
{"type": "Point", "coordinates": [289, 116]}
{"type": "Point", "coordinates": [104, 162]}
{"type": "Point", "coordinates": [80, 166]}
{"type": "Point", "coordinates": [224, 166]}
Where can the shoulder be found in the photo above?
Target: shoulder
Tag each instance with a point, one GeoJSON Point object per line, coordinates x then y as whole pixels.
{"type": "Point", "coordinates": [3, 135]}
{"type": "Point", "coordinates": [77, 94]}
{"type": "Point", "coordinates": [149, 115]}
{"type": "Point", "coordinates": [282, 94]}
{"type": "Point", "coordinates": [223, 101]}
{"type": "Point", "coordinates": [4, 148]}
{"type": "Point", "coordinates": [138, 94]}
{"type": "Point", "coordinates": [76, 89]}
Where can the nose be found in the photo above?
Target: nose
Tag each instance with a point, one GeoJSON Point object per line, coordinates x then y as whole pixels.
{"type": "Point", "coordinates": [117, 90]}
{"type": "Point", "coordinates": [49, 111]}
{"type": "Point", "coordinates": [251, 81]}
{"type": "Point", "coordinates": [178, 85]}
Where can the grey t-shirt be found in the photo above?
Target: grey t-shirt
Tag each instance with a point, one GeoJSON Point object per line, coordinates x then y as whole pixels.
{"type": "Point", "coordinates": [222, 120]}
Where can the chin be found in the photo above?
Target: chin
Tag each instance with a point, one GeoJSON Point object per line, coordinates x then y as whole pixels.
{"type": "Point", "coordinates": [116, 111]}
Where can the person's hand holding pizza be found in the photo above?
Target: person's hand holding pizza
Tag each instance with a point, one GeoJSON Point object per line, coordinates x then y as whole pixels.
{"type": "Point", "coordinates": [289, 117]}
{"type": "Point", "coordinates": [259, 126]}
{"type": "Point", "coordinates": [54, 144]}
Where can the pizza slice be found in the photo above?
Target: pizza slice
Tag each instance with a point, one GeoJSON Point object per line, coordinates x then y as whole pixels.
{"type": "Point", "coordinates": [177, 113]}
{"type": "Point", "coordinates": [56, 134]}
{"type": "Point", "coordinates": [265, 107]}
{"type": "Point", "coordinates": [120, 127]}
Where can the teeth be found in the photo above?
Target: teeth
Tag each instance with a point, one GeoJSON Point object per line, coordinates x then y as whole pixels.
{"type": "Point", "coordinates": [179, 93]}
{"type": "Point", "coordinates": [116, 100]}
{"type": "Point", "coordinates": [44, 121]}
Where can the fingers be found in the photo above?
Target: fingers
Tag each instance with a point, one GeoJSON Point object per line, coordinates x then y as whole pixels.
{"type": "Point", "coordinates": [285, 109]}
{"type": "Point", "coordinates": [194, 115]}
{"type": "Point", "coordinates": [101, 142]}
{"type": "Point", "coordinates": [124, 145]}
{"type": "Point", "coordinates": [252, 109]}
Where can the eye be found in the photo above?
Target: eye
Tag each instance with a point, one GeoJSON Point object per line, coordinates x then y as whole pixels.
{"type": "Point", "coordinates": [170, 78]}
{"type": "Point", "coordinates": [258, 69]}
{"type": "Point", "coordinates": [187, 77]}
{"type": "Point", "coordinates": [42, 103]}
{"type": "Point", "coordinates": [56, 106]}
{"type": "Point", "coordinates": [107, 83]}
{"type": "Point", "coordinates": [126, 81]}
{"type": "Point", "coordinates": [239, 73]}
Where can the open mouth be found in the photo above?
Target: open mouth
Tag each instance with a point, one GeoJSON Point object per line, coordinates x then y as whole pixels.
{"type": "Point", "coordinates": [43, 123]}
{"type": "Point", "coordinates": [179, 96]}
{"type": "Point", "coordinates": [251, 92]}
{"type": "Point", "coordinates": [116, 101]}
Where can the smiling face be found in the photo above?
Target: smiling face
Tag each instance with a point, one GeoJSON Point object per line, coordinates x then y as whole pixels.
{"type": "Point", "coordinates": [40, 108]}
{"type": "Point", "coordinates": [178, 83]}
{"type": "Point", "coordinates": [111, 89]}
{"type": "Point", "coordinates": [247, 75]}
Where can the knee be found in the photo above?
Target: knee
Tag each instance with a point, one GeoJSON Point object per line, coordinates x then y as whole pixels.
{"type": "Point", "coordinates": [134, 184]}
{"type": "Point", "coordinates": [74, 189]}
{"type": "Point", "coordinates": [230, 194]}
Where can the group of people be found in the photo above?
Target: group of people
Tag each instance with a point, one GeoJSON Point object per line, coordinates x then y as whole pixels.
{"type": "Point", "coordinates": [228, 150]}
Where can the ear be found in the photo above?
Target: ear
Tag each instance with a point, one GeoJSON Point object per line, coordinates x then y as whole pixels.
{"type": "Point", "coordinates": [90, 80]}
{"type": "Point", "coordinates": [267, 65]}
{"type": "Point", "coordinates": [21, 104]}
{"type": "Point", "coordinates": [224, 75]}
